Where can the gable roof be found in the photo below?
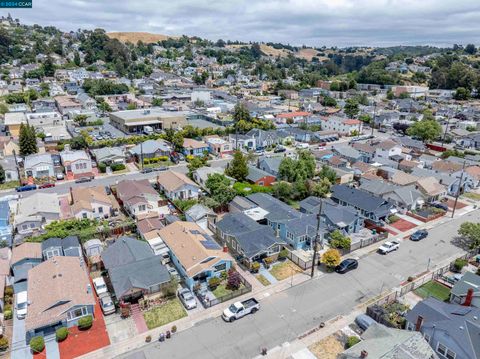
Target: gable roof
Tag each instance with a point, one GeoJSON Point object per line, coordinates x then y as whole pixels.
{"type": "Point", "coordinates": [272, 163]}
{"type": "Point", "coordinates": [172, 180]}
{"type": "Point", "coordinates": [361, 199]}
{"type": "Point", "coordinates": [150, 146]}
{"type": "Point", "coordinates": [192, 246]}
{"type": "Point", "coordinates": [254, 174]}
{"type": "Point", "coordinates": [190, 143]}
{"type": "Point", "coordinates": [128, 189]}
{"type": "Point", "coordinates": [469, 280]}
{"type": "Point", "coordinates": [198, 211]}
{"type": "Point", "coordinates": [55, 286]}
{"type": "Point", "coordinates": [83, 197]}
{"type": "Point", "coordinates": [277, 210]}
{"type": "Point", "coordinates": [125, 250]}
{"type": "Point", "coordinates": [26, 250]}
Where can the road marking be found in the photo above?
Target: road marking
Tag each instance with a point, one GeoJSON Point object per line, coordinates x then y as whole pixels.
{"type": "Point", "coordinates": [266, 295]}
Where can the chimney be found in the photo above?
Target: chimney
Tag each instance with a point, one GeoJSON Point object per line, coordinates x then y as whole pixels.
{"type": "Point", "coordinates": [89, 288]}
{"type": "Point", "coordinates": [225, 248]}
{"type": "Point", "coordinates": [363, 354]}
{"type": "Point", "coordinates": [468, 299]}
{"type": "Point", "coordinates": [419, 323]}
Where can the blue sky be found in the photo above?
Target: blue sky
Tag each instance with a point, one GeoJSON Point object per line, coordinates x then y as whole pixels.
{"type": "Point", "coordinates": [310, 22]}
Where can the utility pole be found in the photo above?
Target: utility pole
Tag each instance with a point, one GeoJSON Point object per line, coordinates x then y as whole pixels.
{"type": "Point", "coordinates": [374, 115]}
{"type": "Point", "coordinates": [16, 165]}
{"type": "Point", "coordinates": [316, 238]}
{"type": "Point", "coordinates": [448, 123]}
{"type": "Point", "coordinates": [141, 153]}
{"type": "Point", "coordinates": [458, 190]}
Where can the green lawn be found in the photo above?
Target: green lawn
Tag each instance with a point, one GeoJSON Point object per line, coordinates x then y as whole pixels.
{"type": "Point", "coordinates": [222, 290]}
{"type": "Point", "coordinates": [471, 195]}
{"type": "Point", "coordinates": [9, 185]}
{"type": "Point", "coordinates": [168, 312]}
{"type": "Point", "coordinates": [261, 278]}
{"type": "Point", "coordinates": [433, 289]}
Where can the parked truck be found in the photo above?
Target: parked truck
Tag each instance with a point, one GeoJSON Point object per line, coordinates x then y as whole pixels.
{"type": "Point", "coordinates": [148, 130]}
{"type": "Point", "coordinates": [240, 309]}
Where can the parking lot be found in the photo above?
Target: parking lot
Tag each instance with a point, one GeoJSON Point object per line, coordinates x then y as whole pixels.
{"type": "Point", "coordinates": [98, 133]}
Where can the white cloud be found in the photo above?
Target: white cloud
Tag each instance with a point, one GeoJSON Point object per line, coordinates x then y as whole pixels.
{"type": "Point", "coordinates": [311, 22]}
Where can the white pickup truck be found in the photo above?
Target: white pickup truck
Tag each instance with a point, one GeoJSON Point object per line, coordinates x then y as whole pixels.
{"type": "Point", "coordinates": [240, 309]}
{"type": "Point", "coordinates": [388, 247]}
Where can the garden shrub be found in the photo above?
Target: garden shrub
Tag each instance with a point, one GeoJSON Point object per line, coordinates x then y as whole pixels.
{"type": "Point", "coordinates": [351, 341]}
{"type": "Point", "coordinates": [102, 167]}
{"type": "Point", "coordinates": [85, 322]}
{"type": "Point", "coordinates": [3, 343]}
{"type": "Point", "coordinates": [61, 333]}
{"type": "Point", "coordinates": [214, 282]}
{"type": "Point", "coordinates": [255, 267]}
{"type": "Point", "coordinates": [37, 344]}
{"type": "Point", "coordinates": [283, 254]}
{"type": "Point", "coordinates": [7, 314]}
{"type": "Point", "coordinates": [117, 167]}
{"type": "Point", "coordinates": [459, 264]}
{"type": "Point", "coordinates": [233, 281]}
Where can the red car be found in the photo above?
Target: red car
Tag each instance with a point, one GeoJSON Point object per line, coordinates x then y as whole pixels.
{"type": "Point", "coordinates": [46, 185]}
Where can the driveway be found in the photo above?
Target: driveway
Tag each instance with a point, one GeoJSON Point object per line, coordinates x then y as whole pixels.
{"type": "Point", "coordinates": [20, 349]}
{"type": "Point", "coordinates": [286, 315]}
{"type": "Point", "coordinates": [118, 328]}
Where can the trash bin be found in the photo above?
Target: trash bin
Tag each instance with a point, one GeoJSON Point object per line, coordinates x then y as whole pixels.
{"type": "Point", "coordinates": [162, 337]}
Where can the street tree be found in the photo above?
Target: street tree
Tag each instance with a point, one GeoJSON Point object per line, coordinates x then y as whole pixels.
{"type": "Point", "coordinates": [331, 258]}
{"type": "Point", "coordinates": [2, 174]}
{"type": "Point", "coordinates": [351, 108]}
{"type": "Point", "coordinates": [471, 232]}
{"type": "Point", "coordinates": [27, 140]}
{"type": "Point", "coordinates": [426, 130]}
{"type": "Point", "coordinates": [237, 168]}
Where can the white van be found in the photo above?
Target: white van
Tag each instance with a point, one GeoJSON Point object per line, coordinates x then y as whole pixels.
{"type": "Point", "coordinates": [21, 304]}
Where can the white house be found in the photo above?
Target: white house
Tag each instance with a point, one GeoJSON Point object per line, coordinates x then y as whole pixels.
{"type": "Point", "coordinates": [343, 126]}
{"type": "Point", "coordinates": [77, 163]}
{"type": "Point", "coordinates": [176, 185]}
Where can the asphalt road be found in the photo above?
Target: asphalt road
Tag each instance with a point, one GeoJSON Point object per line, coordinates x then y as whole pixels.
{"type": "Point", "coordinates": [286, 315]}
{"type": "Point", "coordinates": [64, 187]}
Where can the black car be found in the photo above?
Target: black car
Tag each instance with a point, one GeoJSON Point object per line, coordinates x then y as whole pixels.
{"type": "Point", "coordinates": [108, 190]}
{"type": "Point", "coordinates": [279, 149]}
{"type": "Point", "coordinates": [419, 235]}
{"type": "Point", "coordinates": [440, 206]}
{"type": "Point", "coordinates": [346, 265]}
{"type": "Point", "coordinates": [83, 179]}
{"type": "Point", "coordinates": [147, 170]}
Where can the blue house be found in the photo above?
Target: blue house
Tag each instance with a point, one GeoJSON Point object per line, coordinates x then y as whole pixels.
{"type": "Point", "coordinates": [68, 247]}
{"type": "Point", "coordinates": [195, 254]}
{"type": "Point", "coordinates": [193, 147]}
{"type": "Point", "coordinates": [5, 226]}
{"type": "Point", "coordinates": [24, 257]}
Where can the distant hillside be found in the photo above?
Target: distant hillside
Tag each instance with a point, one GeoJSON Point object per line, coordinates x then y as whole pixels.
{"type": "Point", "coordinates": [134, 37]}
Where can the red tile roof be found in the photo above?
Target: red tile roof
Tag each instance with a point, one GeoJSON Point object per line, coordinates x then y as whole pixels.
{"type": "Point", "coordinates": [351, 122]}
{"type": "Point", "coordinates": [293, 114]}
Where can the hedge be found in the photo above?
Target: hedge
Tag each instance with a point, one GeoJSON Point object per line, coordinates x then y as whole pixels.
{"type": "Point", "coordinates": [61, 333]}
{"type": "Point", "coordinates": [147, 161]}
{"type": "Point", "coordinates": [117, 167]}
{"type": "Point", "coordinates": [37, 344]}
{"type": "Point", "coordinates": [351, 341]}
{"type": "Point", "coordinates": [102, 167]}
{"type": "Point", "coordinates": [3, 344]}
{"type": "Point", "coordinates": [85, 322]}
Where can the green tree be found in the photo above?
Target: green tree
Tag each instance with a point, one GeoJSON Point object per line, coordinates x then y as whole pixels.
{"type": "Point", "coordinates": [287, 169]}
{"type": "Point", "coordinates": [339, 241]}
{"type": "Point", "coordinates": [78, 143]}
{"type": "Point", "coordinates": [470, 49]}
{"type": "Point", "coordinates": [2, 174]}
{"type": "Point", "coordinates": [471, 232]}
{"type": "Point", "coordinates": [365, 118]}
{"type": "Point", "coordinates": [331, 258]}
{"type": "Point", "coordinates": [390, 95]}
{"type": "Point", "coordinates": [328, 173]}
{"type": "Point", "coordinates": [426, 130]}
{"type": "Point", "coordinates": [321, 188]}
{"type": "Point", "coordinates": [48, 67]}
{"type": "Point", "coordinates": [328, 101]}
{"type": "Point", "coordinates": [76, 58]}
{"type": "Point", "coordinates": [81, 120]}
{"type": "Point", "coordinates": [3, 108]}
{"type": "Point", "coordinates": [461, 94]}
{"type": "Point", "coordinates": [282, 190]}
{"type": "Point", "coordinates": [157, 101]}
{"type": "Point", "coordinates": [351, 108]}
{"type": "Point", "coordinates": [219, 188]}
{"type": "Point", "coordinates": [237, 168]}
{"type": "Point", "coordinates": [196, 163]}
{"type": "Point", "coordinates": [27, 140]}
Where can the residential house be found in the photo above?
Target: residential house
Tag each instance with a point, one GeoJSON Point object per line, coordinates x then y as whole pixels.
{"type": "Point", "coordinates": [67, 247]}
{"type": "Point", "coordinates": [12, 122]}
{"type": "Point", "coordinates": [200, 215]}
{"type": "Point", "coordinates": [10, 168]}
{"type": "Point", "coordinates": [451, 330]}
{"type": "Point", "coordinates": [264, 138]}
{"type": "Point", "coordinates": [109, 155]}
{"type": "Point", "coordinates": [59, 294]}
{"type": "Point", "coordinates": [371, 207]}
{"type": "Point", "coordinates": [260, 177]}
{"type": "Point", "coordinates": [297, 134]}
{"type": "Point", "coordinates": [366, 150]}
{"type": "Point", "coordinates": [270, 165]}
{"type": "Point", "coordinates": [150, 149]}
{"type": "Point", "coordinates": [194, 253]}
{"type": "Point", "coordinates": [176, 185]}
{"type": "Point", "coordinates": [91, 203]}
{"type": "Point", "coordinates": [242, 142]}
{"type": "Point", "coordinates": [334, 216]}
{"type": "Point", "coordinates": [39, 165]}
{"type": "Point", "coordinates": [347, 152]}
{"type": "Point", "coordinates": [431, 189]}
{"type": "Point", "coordinates": [405, 198]}
{"type": "Point", "coordinates": [36, 211]}
{"type": "Point", "coordinates": [201, 174]}
{"type": "Point", "coordinates": [77, 164]}
{"type": "Point", "coordinates": [467, 289]}
{"type": "Point", "coordinates": [387, 149]}
{"type": "Point", "coordinates": [246, 239]}
{"type": "Point", "coordinates": [343, 126]}
{"type": "Point", "coordinates": [66, 104]}
{"type": "Point", "coordinates": [218, 146]}
{"type": "Point", "coordinates": [24, 257]}
{"type": "Point", "coordinates": [381, 342]}
{"type": "Point", "coordinates": [138, 197]}
{"type": "Point", "coordinates": [292, 117]}
{"type": "Point", "coordinates": [343, 175]}
{"type": "Point", "coordinates": [193, 147]}
{"type": "Point", "coordinates": [133, 269]}
{"type": "Point", "coordinates": [8, 146]}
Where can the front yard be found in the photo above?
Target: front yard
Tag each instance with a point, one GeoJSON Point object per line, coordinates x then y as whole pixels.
{"type": "Point", "coordinates": [164, 314]}
{"type": "Point", "coordinates": [472, 195]}
{"type": "Point", "coordinates": [261, 278]}
{"type": "Point", "coordinates": [222, 290]}
{"type": "Point", "coordinates": [433, 289]}
{"type": "Point", "coordinates": [284, 270]}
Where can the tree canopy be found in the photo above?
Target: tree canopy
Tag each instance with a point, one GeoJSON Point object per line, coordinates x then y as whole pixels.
{"type": "Point", "coordinates": [27, 140]}
{"type": "Point", "coordinates": [426, 130]}
{"type": "Point", "coordinates": [238, 168]}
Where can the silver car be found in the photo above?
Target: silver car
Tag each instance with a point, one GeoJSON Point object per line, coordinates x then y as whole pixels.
{"type": "Point", "coordinates": [107, 304]}
{"type": "Point", "coordinates": [187, 298]}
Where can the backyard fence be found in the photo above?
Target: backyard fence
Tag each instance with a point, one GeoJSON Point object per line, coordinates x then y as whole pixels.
{"type": "Point", "coordinates": [207, 302]}
{"type": "Point", "coordinates": [364, 242]}
{"type": "Point", "coordinates": [298, 261]}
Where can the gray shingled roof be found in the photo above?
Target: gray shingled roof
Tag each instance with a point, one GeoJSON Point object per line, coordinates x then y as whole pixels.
{"type": "Point", "coordinates": [277, 210]}
{"type": "Point", "coordinates": [469, 280]}
{"type": "Point", "coordinates": [254, 174]}
{"type": "Point", "coordinates": [460, 323]}
{"type": "Point", "coordinates": [125, 250]}
{"type": "Point", "coordinates": [361, 199]}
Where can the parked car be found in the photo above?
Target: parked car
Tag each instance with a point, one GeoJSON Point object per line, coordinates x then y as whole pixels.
{"type": "Point", "coordinates": [59, 176]}
{"type": "Point", "coordinates": [147, 170]}
{"type": "Point", "coordinates": [187, 298]}
{"type": "Point", "coordinates": [47, 185]}
{"type": "Point", "coordinates": [364, 321]}
{"type": "Point", "coordinates": [346, 265]}
{"type": "Point", "coordinates": [388, 247]}
{"type": "Point", "coordinates": [83, 179]}
{"type": "Point", "coordinates": [302, 145]}
{"type": "Point", "coordinates": [173, 272]}
{"type": "Point", "coordinates": [108, 190]}
{"type": "Point", "coordinates": [160, 169]}
{"type": "Point", "coordinates": [100, 286]}
{"type": "Point", "coordinates": [419, 235]}
{"type": "Point", "coordinates": [238, 310]}
{"type": "Point", "coordinates": [21, 304]}
{"type": "Point", "coordinates": [440, 206]}
{"type": "Point", "coordinates": [107, 304]}
{"type": "Point", "coordinates": [279, 149]}
{"type": "Point", "coordinates": [28, 187]}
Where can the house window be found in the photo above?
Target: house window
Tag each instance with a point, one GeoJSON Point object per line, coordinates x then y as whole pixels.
{"type": "Point", "coordinates": [427, 338]}
{"type": "Point", "coordinates": [100, 209]}
{"type": "Point", "coordinates": [441, 349]}
{"type": "Point", "coordinates": [32, 225]}
{"type": "Point", "coordinates": [77, 313]}
{"type": "Point", "coordinates": [142, 208]}
{"type": "Point", "coordinates": [52, 253]}
{"type": "Point", "coordinates": [220, 267]}
{"type": "Point", "coordinates": [234, 245]}
{"type": "Point", "coordinates": [451, 354]}
{"type": "Point", "coordinates": [24, 227]}
{"type": "Point", "coordinates": [84, 215]}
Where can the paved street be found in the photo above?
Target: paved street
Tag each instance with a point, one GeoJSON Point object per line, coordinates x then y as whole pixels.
{"type": "Point", "coordinates": [286, 315]}
{"type": "Point", "coordinates": [64, 187]}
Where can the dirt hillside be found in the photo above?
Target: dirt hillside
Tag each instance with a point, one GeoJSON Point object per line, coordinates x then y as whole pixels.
{"type": "Point", "coordinates": [134, 37]}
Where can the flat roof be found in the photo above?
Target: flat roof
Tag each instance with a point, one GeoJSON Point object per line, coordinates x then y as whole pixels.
{"type": "Point", "coordinates": [153, 113]}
